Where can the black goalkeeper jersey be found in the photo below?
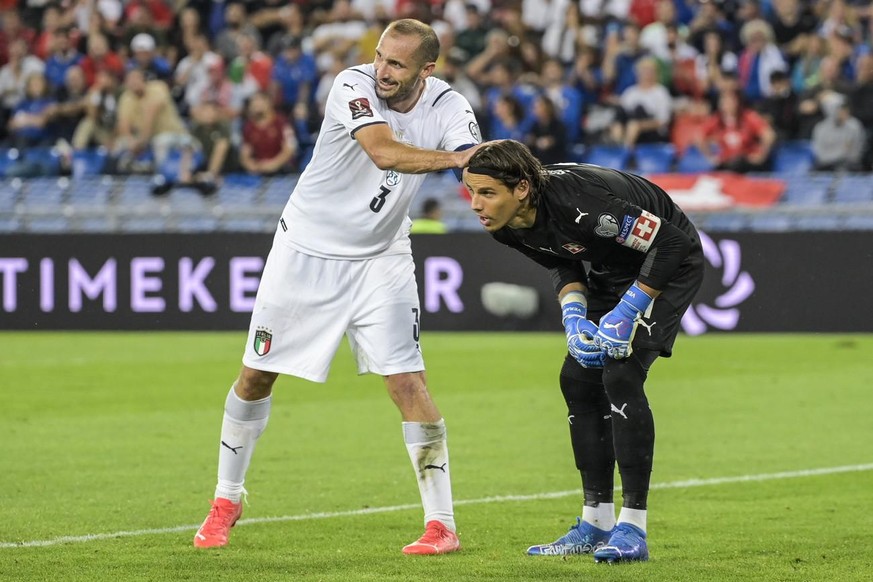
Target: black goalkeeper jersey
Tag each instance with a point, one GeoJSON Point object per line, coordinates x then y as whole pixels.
{"type": "Point", "coordinates": [605, 228]}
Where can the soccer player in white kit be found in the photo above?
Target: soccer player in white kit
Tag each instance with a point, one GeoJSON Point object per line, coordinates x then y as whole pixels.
{"type": "Point", "coordinates": [341, 263]}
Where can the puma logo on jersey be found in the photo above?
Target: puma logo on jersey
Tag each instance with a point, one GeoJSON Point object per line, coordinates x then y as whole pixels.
{"type": "Point", "coordinates": [619, 410]}
{"type": "Point", "coordinates": [352, 86]}
{"type": "Point", "coordinates": [581, 214]}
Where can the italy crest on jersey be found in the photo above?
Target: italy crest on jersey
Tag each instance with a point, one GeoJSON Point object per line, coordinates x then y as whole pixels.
{"type": "Point", "coordinates": [263, 340]}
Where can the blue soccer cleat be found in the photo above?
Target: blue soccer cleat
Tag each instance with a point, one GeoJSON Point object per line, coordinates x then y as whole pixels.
{"type": "Point", "coordinates": [627, 544]}
{"type": "Point", "coordinates": [583, 538]}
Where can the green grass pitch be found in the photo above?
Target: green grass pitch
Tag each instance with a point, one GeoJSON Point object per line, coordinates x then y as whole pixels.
{"type": "Point", "coordinates": [763, 462]}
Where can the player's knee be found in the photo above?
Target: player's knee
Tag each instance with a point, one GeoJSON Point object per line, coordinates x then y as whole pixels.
{"type": "Point", "coordinates": [254, 384]}
{"type": "Point", "coordinates": [582, 387]}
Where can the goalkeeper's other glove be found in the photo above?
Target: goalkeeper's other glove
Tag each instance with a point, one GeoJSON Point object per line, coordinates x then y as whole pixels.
{"type": "Point", "coordinates": [580, 332]}
{"type": "Point", "coordinates": [617, 328]}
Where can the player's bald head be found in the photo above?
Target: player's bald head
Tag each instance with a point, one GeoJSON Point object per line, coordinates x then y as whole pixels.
{"type": "Point", "coordinates": [428, 42]}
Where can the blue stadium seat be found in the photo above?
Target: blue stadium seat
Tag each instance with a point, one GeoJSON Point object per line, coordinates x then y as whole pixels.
{"type": "Point", "coordinates": [793, 157]}
{"type": "Point", "coordinates": [726, 222]}
{"type": "Point", "coordinates": [169, 168]}
{"type": "Point", "coordinates": [858, 222]}
{"type": "Point", "coordinates": [47, 158]}
{"type": "Point", "coordinates": [819, 222]}
{"type": "Point", "coordinates": [90, 162]}
{"type": "Point", "coordinates": [53, 224]}
{"type": "Point", "coordinates": [770, 222]}
{"type": "Point", "coordinates": [806, 190]}
{"type": "Point", "coordinates": [577, 152]}
{"type": "Point", "coordinates": [654, 158]}
{"type": "Point", "coordinates": [8, 156]}
{"type": "Point", "coordinates": [692, 161]}
{"type": "Point", "coordinates": [854, 189]}
{"type": "Point", "coordinates": [608, 156]}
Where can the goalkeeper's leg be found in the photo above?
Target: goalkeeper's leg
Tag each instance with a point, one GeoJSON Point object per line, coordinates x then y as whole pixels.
{"type": "Point", "coordinates": [633, 430]}
{"type": "Point", "coordinates": [591, 439]}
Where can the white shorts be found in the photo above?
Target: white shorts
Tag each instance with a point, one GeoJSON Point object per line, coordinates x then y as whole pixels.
{"type": "Point", "coordinates": [305, 304]}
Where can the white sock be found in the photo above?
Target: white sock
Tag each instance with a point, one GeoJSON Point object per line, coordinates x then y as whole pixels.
{"type": "Point", "coordinates": [601, 517]}
{"type": "Point", "coordinates": [243, 423]}
{"type": "Point", "coordinates": [426, 444]}
{"type": "Point", "coordinates": [635, 517]}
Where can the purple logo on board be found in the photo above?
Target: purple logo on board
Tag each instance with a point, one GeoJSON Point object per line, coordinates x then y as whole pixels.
{"type": "Point", "coordinates": [724, 313]}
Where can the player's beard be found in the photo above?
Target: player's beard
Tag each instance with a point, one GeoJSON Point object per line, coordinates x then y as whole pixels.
{"type": "Point", "coordinates": [400, 91]}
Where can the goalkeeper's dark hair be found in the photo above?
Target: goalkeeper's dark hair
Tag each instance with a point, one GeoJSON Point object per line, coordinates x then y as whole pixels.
{"type": "Point", "coordinates": [510, 162]}
{"type": "Point", "coordinates": [429, 43]}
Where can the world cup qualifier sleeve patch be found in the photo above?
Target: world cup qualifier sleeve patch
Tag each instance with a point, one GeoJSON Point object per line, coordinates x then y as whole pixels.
{"type": "Point", "coordinates": [360, 107]}
{"type": "Point", "coordinates": [642, 232]}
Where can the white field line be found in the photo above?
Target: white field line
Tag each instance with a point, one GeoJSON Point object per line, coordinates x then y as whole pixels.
{"type": "Point", "coordinates": [482, 500]}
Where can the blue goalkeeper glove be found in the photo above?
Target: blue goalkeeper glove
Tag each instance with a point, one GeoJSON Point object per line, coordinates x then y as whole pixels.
{"type": "Point", "coordinates": [580, 332]}
{"type": "Point", "coordinates": [617, 328]}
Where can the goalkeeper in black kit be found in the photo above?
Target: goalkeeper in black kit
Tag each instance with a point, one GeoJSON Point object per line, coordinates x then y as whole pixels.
{"type": "Point", "coordinates": [625, 263]}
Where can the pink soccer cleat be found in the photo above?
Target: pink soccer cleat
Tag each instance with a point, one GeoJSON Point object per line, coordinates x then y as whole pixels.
{"type": "Point", "coordinates": [216, 528]}
{"type": "Point", "coordinates": [437, 539]}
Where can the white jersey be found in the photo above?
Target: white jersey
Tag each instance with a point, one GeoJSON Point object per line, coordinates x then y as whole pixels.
{"type": "Point", "coordinates": [344, 206]}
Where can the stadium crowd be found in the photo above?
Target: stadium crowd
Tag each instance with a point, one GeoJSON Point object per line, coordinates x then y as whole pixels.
{"type": "Point", "coordinates": [194, 90]}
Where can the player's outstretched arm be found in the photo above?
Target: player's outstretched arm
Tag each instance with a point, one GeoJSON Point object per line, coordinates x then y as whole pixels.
{"type": "Point", "coordinates": [389, 154]}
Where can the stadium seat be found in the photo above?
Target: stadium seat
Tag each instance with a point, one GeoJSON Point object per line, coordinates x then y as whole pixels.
{"type": "Point", "coordinates": [770, 222]}
{"type": "Point", "coordinates": [169, 168]}
{"type": "Point", "coordinates": [793, 157]}
{"type": "Point", "coordinates": [577, 152]}
{"type": "Point", "coordinates": [725, 222]}
{"type": "Point", "coordinates": [608, 156]}
{"type": "Point", "coordinates": [806, 190]}
{"type": "Point", "coordinates": [654, 158]}
{"type": "Point", "coordinates": [46, 158]}
{"type": "Point", "coordinates": [854, 189]}
{"type": "Point", "coordinates": [8, 156]}
{"type": "Point", "coordinates": [818, 222]}
{"type": "Point", "coordinates": [90, 162]}
{"type": "Point", "coordinates": [692, 161]}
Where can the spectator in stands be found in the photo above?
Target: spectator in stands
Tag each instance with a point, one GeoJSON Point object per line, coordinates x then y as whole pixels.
{"type": "Point", "coordinates": [645, 109]}
{"type": "Point", "coordinates": [497, 50]}
{"type": "Point", "coordinates": [337, 38]}
{"type": "Point", "coordinates": [140, 23]}
{"type": "Point", "coordinates": [30, 121]}
{"type": "Point", "coordinates": [713, 62]}
{"type": "Point", "coordinates": [52, 22]}
{"type": "Point", "coordinates": [509, 120]}
{"type": "Point", "coordinates": [189, 25]}
{"type": "Point", "coordinates": [563, 35]}
{"type": "Point", "coordinates": [100, 58]}
{"type": "Point", "coordinates": [147, 119]}
{"type": "Point", "coordinates": [294, 76]}
{"type": "Point", "coordinates": [838, 140]}
{"type": "Point", "coordinates": [759, 58]}
{"type": "Point", "coordinates": [62, 56]}
{"type": "Point", "coordinates": [159, 15]}
{"type": "Point", "coordinates": [793, 24]}
{"type": "Point", "coordinates": [472, 39]}
{"type": "Point", "coordinates": [622, 50]}
{"type": "Point", "coordinates": [235, 24]}
{"type": "Point", "coordinates": [293, 26]}
{"type": "Point", "coordinates": [841, 47]}
{"type": "Point", "coordinates": [587, 78]}
{"type": "Point", "coordinates": [805, 71]}
{"type": "Point", "coordinates": [780, 109]}
{"type": "Point", "coordinates": [679, 68]}
{"type": "Point", "coordinates": [451, 70]}
{"type": "Point", "coordinates": [97, 128]}
{"type": "Point", "coordinates": [71, 106]}
{"type": "Point", "coordinates": [503, 81]}
{"type": "Point", "coordinates": [829, 91]}
{"type": "Point", "coordinates": [213, 134]}
{"type": "Point", "coordinates": [220, 91]}
{"type": "Point", "coordinates": [736, 138]}
{"type": "Point", "coordinates": [654, 37]}
{"type": "Point", "coordinates": [268, 141]}
{"type": "Point", "coordinates": [710, 18]}
{"type": "Point", "coordinates": [861, 103]}
{"type": "Point", "coordinates": [13, 29]}
{"type": "Point", "coordinates": [547, 138]}
{"type": "Point", "coordinates": [15, 73]}
{"type": "Point", "coordinates": [431, 219]}
{"type": "Point", "coordinates": [192, 73]}
{"type": "Point", "coordinates": [566, 98]}
{"type": "Point", "coordinates": [251, 66]}
{"type": "Point", "coordinates": [144, 57]}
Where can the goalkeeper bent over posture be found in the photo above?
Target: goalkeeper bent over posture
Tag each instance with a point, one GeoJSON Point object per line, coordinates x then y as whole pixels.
{"type": "Point", "coordinates": [626, 263]}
